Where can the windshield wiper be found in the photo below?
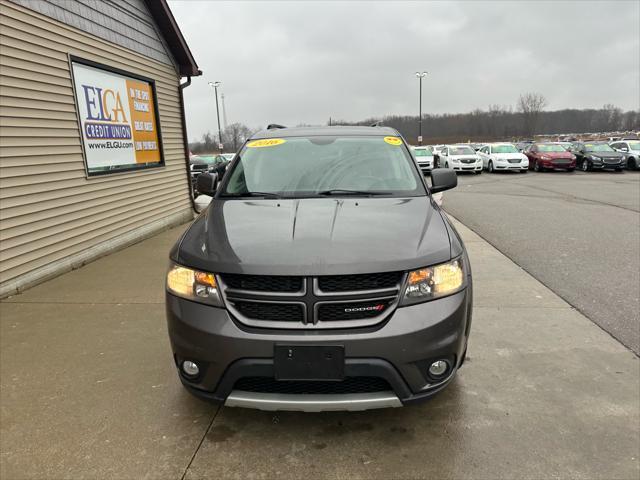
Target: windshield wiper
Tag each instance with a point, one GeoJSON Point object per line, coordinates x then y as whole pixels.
{"type": "Point", "coordinates": [251, 194]}
{"type": "Point", "coordinates": [342, 191]}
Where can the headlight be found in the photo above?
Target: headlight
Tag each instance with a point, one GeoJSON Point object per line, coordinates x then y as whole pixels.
{"type": "Point", "coordinates": [433, 282]}
{"type": "Point", "coordinates": [193, 285]}
{"type": "Point", "coordinates": [597, 159]}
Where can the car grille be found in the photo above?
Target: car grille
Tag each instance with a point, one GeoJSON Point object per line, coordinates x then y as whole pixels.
{"type": "Point", "coordinates": [514, 160]}
{"type": "Point", "coordinates": [561, 161]}
{"type": "Point", "coordinates": [330, 301]}
{"type": "Point", "coordinates": [283, 312]}
{"type": "Point", "coordinates": [199, 167]}
{"type": "Point", "coordinates": [612, 160]}
{"type": "Point", "coordinates": [263, 283]}
{"type": "Point", "coordinates": [468, 160]}
{"type": "Point", "coordinates": [345, 283]}
{"type": "Point", "coordinates": [346, 386]}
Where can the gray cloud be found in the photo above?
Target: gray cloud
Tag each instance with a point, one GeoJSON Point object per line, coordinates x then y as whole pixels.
{"type": "Point", "coordinates": [302, 62]}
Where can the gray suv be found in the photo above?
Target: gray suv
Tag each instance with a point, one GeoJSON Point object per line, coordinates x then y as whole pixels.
{"type": "Point", "coordinates": [322, 276]}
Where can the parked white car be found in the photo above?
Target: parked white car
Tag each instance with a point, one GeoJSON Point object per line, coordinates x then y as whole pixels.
{"type": "Point", "coordinates": [503, 156]}
{"type": "Point", "coordinates": [424, 158]}
{"type": "Point", "coordinates": [461, 158]}
{"type": "Point", "coordinates": [631, 148]}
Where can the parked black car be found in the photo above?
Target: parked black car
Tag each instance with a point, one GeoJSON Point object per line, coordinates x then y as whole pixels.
{"type": "Point", "coordinates": [597, 155]}
{"type": "Point", "coordinates": [322, 276]}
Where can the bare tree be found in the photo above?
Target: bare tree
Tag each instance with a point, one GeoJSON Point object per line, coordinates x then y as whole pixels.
{"type": "Point", "coordinates": [531, 105]}
{"type": "Point", "coordinates": [235, 135]}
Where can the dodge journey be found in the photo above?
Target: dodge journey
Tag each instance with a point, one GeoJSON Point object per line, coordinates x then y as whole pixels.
{"type": "Point", "coordinates": [322, 276]}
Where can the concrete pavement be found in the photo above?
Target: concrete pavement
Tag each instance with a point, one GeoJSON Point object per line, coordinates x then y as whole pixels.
{"type": "Point", "coordinates": [88, 390]}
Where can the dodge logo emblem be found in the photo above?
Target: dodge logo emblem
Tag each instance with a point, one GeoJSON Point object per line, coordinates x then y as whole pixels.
{"type": "Point", "coordinates": [369, 308]}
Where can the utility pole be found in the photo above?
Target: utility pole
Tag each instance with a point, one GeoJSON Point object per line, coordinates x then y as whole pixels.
{"type": "Point", "coordinates": [215, 86]}
{"type": "Point", "coordinates": [420, 76]}
{"type": "Point", "coordinates": [224, 112]}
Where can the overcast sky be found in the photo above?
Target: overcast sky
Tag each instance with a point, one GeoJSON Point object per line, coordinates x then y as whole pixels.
{"type": "Point", "coordinates": [303, 62]}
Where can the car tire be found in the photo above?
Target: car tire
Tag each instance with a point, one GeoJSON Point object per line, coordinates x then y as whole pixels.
{"type": "Point", "coordinates": [490, 167]}
{"type": "Point", "coordinates": [537, 167]}
{"type": "Point", "coordinates": [446, 164]}
{"type": "Point", "coordinates": [632, 164]}
{"type": "Point", "coordinates": [584, 166]}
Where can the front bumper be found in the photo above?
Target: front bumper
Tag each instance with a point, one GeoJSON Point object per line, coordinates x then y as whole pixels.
{"type": "Point", "coordinates": [398, 350]}
{"type": "Point", "coordinates": [557, 165]}
{"type": "Point", "coordinates": [466, 167]}
{"type": "Point", "coordinates": [607, 165]}
{"type": "Point", "coordinates": [511, 166]}
{"type": "Point", "coordinates": [425, 166]}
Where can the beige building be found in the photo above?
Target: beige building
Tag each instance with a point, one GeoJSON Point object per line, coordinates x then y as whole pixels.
{"type": "Point", "coordinates": [93, 151]}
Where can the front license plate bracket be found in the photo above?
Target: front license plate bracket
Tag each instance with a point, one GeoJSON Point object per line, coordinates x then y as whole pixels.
{"type": "Point", "coordinates": [305, 362]}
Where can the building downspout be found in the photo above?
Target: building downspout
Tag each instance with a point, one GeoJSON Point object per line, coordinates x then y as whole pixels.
{"type": "Point", "coordinates": [186, 142]}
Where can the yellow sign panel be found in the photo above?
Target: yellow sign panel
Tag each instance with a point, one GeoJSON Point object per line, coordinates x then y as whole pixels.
{"type": "Point", "coordinates": [267, 142]}
{"type": "Point", "coordinates": [393, 140]}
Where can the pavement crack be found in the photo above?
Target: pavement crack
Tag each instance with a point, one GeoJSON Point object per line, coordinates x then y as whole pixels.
{"type": "Point", "coordinates": [204, 435]}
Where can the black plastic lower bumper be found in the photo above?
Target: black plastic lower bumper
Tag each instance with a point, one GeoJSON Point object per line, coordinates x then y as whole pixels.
{"type": "Point", "coordinates": [370, 367]}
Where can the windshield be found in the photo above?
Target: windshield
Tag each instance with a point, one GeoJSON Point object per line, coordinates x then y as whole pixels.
{"type": "Point", "coordinates": [504, 149]}
{"type": "Point", "coordinates": [461, 151]}
{"type": "Point", "coordinates": [598, 147]}
{"type": "Point", "coordinates": [551, 148]}
{"type": "Point", "coordinates": [423, 152]}
{"type": "Point", "coordinates": [634, 145]}
{"type": "Point", "coordinates": [229, 156]}
{"type": "Point", "coordinates": [313, 166]}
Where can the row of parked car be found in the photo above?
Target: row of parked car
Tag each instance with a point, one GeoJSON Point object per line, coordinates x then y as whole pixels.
{"type": "Point", "coordinates": [538, 156]}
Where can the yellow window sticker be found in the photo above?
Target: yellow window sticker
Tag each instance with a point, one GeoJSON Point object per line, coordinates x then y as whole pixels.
{"type": "Point", "coordinates": [393, 140]}
{"type": "Point", "coordinates": [266, 142]}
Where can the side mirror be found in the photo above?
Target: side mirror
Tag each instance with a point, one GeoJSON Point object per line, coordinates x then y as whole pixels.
{"type": "Point", "coordinates": [443, 179]}
{"type": "Point", "coordinates": [206, 183]}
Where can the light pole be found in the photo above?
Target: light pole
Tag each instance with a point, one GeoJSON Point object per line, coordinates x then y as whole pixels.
{"type": "Point", "coordinates": [215, 86]}
{"type": "Point", "coordinates": [420, 75]}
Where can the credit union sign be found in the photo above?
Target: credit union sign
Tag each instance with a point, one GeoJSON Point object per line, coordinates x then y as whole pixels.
{"type": "Point", "coordinates": [117, 112]}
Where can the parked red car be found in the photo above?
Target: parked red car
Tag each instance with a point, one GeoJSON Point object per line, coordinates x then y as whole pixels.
{"type": "Point", "coordinates": [543, 156]}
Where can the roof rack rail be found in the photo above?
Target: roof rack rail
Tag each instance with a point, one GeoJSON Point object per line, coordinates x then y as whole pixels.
{"type": "Point", "coordinates": [376, 124]}
{"type": "Point", "coordinates": [274, 126]}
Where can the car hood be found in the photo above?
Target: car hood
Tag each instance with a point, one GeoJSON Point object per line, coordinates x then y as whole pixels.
{"type": "Point", "coordinates": [424, 158]}
{"type": "Point", "coordinates": [507, 156]}
{"type": "Point", "coordinates": [558, 155]}
{"type": "Point", "coordinates": [463, 157]}
{"type": "Point", "coordinates": [317, 236]}
{"type": "Point", "coordinates": [606, 154]}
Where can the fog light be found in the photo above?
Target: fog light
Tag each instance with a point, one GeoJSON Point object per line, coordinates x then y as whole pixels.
{"type": "Point", "coordinates": [439, 368]}
{"type": "Point", "coordinates": [190, 368]}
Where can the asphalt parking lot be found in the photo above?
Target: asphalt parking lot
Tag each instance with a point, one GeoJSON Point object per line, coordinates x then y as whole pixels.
{"type": "Point", "coordinates": [578, 233]}
{"type": "Point", "coordinates": [88, 390]}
